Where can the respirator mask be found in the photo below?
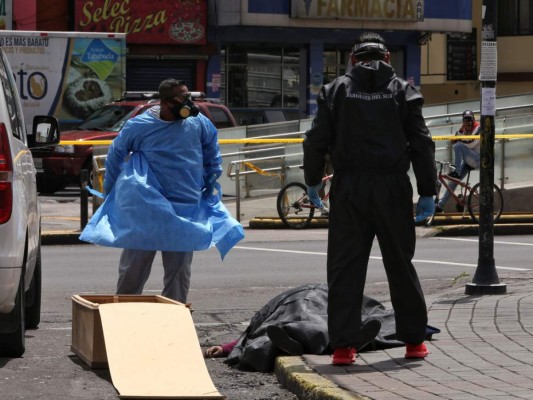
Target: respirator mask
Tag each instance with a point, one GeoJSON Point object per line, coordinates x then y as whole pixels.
{"type": "Point", "coordinates": [184, 109]}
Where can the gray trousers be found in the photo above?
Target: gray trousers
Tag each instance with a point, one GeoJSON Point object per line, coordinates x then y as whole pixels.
{"type": "Point", "coordinates": [135, 266]}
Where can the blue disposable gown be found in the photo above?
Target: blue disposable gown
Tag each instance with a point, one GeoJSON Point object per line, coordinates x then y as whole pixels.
{"type": "Point", "coordinates": [155, 171]}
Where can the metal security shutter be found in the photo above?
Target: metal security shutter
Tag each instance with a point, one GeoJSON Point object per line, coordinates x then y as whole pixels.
{"type": "Point", "coordinates": [147, 74]}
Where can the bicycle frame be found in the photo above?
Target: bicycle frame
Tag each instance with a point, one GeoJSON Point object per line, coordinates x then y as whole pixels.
{"type": "Point", "coordinates": [461, 198]}
{"type": "Point", "coordinates": [304, 202]}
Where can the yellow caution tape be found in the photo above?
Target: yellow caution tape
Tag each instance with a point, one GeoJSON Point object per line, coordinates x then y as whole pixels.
{"type": "Point", "coordinates": [220, 141]}
{"type": "Point", "coordinates": [288, 141]}
{"type": "Point", "coordinates": [473, 137]}
{"type": "Point", "coordinates": [258, 141]}
{"type": "Point", "coordinates": [259, 170]}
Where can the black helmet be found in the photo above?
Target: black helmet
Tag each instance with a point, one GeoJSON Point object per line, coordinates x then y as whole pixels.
{"type": "Point", "coordinates": [467, 114]}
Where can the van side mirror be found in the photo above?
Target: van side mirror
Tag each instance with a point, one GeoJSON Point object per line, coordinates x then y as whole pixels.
{"type": "Point", "coordinates": [45, 132]}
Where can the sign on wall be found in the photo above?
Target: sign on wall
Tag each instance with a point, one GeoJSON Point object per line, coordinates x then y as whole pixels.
{"type": "Point", "coordinates": [65, 74]}
{"type": "Point", "coordinates": [158, 22]}
{"type": "Point", "coordinates": [384, 10]}
{"type": "Point", "coordinates": [6, 14]}
{"type": "Point", "coordinates": [461, 56]}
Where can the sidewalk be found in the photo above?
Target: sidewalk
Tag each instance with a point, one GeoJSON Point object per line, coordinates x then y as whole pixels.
{"type": "Point", "coordinates": [483, 352]}
{"type": "Point", "coordinates": [60, 220]}
{"type": "Point", "coordinates": [485, 349]}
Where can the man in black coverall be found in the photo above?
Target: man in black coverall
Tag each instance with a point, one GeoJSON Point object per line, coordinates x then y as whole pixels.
{"type": "Point", "coordinates": [370, 122]}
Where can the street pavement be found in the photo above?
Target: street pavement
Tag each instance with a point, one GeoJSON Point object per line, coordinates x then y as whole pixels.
{"type": "Point", "coordinates": [484, 351]}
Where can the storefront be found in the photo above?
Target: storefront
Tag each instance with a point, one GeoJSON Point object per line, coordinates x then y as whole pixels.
{"type": "Point", "coordinates": [277, 54]}
{"type": "Point", "coordinates": [164, 39]}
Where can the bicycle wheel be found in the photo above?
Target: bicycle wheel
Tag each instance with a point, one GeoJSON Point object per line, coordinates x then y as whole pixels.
{"type": "Point", "coordinates": [293, 206]}
{"type": "Point", "coordinates": [474, 203]}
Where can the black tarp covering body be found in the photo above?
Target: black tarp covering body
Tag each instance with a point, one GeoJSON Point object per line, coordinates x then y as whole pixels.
{"type": "Point", "coordinates": [302, 312]}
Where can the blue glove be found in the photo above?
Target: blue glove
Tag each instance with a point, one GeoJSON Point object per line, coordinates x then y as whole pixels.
{"type": "Point", "coordinates": [95, 192]}
{"type": "Point", "coordinates": [425, 208]}
{"type": "Point", "coordinates": [209, 185]}
{"type": "Point", "coordinates": [312, 193]}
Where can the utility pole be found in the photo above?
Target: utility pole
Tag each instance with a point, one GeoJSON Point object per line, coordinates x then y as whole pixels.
{"type": "Point", "coordinates": [486, 279]}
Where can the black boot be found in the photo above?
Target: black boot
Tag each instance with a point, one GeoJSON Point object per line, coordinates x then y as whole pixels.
{"type": "Point", "coordinates": [282, 340]}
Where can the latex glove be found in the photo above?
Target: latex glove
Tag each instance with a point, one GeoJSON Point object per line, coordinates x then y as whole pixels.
{"type": "Point", "coordinates": [425, 208]}
{"type": "Point", "coordinates": [95, 192]}
{"type": "Point", "coordinates": [312, 193]}
{"type": "Point", "coordinates": [209, 185]}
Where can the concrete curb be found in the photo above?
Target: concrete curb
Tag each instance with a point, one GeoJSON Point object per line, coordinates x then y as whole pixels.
{"type": "Point", "coordinates": [473, 230]}
{"type": "Point", "coordinates": [63, 237]}
{"type": "Point", "coordinates": [437, 230]}
{"type": "Point", "coordinates": [294, 375]}
{"type": "Point", "coordinates": [276, 223]}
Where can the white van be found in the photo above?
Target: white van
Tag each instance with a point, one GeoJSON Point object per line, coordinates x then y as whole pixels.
{"type": "Point", "coordinates": [20, 219]}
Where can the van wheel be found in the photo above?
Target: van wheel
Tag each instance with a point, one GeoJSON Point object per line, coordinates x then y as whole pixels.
{"type": "Point", "coordinates": [33, 296]}
{"type": "Point", "coordinates": [12, 343]}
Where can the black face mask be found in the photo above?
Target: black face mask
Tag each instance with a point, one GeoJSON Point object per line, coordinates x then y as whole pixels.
{"type": "Point", "coordinates": [185, 110]}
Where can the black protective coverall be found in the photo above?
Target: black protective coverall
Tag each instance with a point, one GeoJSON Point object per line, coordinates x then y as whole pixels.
{"type": "Point", "coordinates": [371, 123]}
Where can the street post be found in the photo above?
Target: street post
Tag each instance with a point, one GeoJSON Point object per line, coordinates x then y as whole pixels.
{"type": "Point", "coordinates": [486, 279]}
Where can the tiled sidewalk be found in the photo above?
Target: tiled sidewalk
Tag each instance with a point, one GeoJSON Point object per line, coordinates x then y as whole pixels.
{"type": "Point", "coordinates": [485, 351]}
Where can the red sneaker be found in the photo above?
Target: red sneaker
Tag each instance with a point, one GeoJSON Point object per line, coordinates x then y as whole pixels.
{"type": "Point", "coordinates": [343, 356]}
{"type": "Point", "coordinates": [416, 351]}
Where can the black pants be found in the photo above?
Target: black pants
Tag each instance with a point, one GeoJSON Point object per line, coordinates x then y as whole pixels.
{"type": "Point", "coordinates": [362, 207]}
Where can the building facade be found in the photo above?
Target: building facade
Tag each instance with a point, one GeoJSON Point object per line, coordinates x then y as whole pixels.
{"type": "Point", "coordinates": [266, 60]}
{"type": "Point", "coordinates": [277, 54]}
{"type": "Point", "coordinates": [450, 62]}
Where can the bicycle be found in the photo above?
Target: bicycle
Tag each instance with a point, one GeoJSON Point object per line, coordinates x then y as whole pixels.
{"type": "Point", "coordinates": [468, 197]}
{"type": "Point", "coordinates": [293, 205]}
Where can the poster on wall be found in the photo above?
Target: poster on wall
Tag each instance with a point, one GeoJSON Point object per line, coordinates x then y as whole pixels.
{"type": "Point", "coordinates": [6, 14]}
{"type": "Point", "coordinates": [145, 21]}
{"type": "Point", "coordinates": [67, 75]}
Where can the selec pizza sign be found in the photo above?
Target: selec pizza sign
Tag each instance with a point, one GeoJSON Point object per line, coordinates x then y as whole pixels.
{"type": "Point", "coordinates": [145, 21]}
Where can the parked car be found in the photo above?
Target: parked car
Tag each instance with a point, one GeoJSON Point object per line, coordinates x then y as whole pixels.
{"type": "Point", "coordinates": [61, 165]}
{"type": "Point", "coordinates": [20, 219]}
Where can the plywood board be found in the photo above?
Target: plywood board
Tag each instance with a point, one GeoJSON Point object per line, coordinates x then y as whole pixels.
{"type": "Point", "coordinates": [153, 352]}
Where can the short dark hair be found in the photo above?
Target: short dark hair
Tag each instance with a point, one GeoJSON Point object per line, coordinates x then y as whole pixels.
{"type": "Point", "coordinates": [370, 46]}
{"type": "Point", "coordinates": [166, 88]}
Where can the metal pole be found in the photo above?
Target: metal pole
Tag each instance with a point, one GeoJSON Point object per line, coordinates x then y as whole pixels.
{"type": "Point", "coordinates": [238, 192]}
{"type": "Point", "coordinates": [84, 199]}
{"type": "Point", "coordinates": [486, 279]}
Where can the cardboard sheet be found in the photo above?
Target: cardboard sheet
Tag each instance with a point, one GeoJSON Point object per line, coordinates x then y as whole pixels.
{"type": "Point", "coordinates": [153, 352]}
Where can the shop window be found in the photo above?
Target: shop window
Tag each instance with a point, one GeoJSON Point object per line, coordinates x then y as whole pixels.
{"type": "Point", "coordinates": [335, 62]}
{"type": "Point", "coordinates": [515, 17]}
{"type": "Point", "coordinates": [258, 77]}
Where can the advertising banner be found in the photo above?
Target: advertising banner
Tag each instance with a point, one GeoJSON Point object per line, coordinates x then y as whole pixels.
{"type": "Point", "coordinates": [160, 22]}
{"type": "Point", "coordinates": [64, 75]}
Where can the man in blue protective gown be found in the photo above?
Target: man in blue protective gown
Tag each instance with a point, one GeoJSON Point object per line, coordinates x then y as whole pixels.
{"type": "Point", "coordinates": [162, 194]}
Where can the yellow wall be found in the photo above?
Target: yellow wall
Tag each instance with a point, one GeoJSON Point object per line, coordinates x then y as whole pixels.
{"type": "Point", "coordinates": [514, 54]}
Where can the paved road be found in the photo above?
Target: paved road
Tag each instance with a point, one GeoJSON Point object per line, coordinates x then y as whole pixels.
{"type": "Point", "coordinates": [483, 349]}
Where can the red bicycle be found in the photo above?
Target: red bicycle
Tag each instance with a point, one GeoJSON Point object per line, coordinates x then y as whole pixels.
{"type": "Point", "coordinates": [293, 205]}
{"type": "Point", "coordinates": [468, 197]}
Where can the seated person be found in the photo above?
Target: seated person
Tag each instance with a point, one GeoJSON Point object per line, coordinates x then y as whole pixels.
{"type": "Point", "coordinates": [466, 154]}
